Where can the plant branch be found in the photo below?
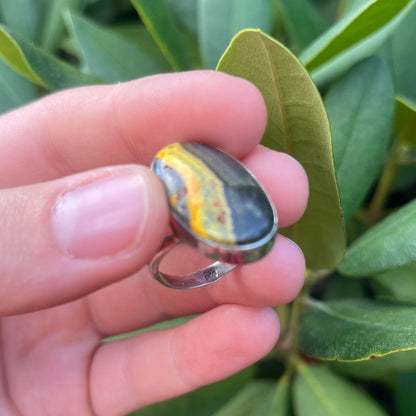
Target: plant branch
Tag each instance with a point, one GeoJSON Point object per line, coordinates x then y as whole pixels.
{"type": "Point", "coordinates": [395, 159]}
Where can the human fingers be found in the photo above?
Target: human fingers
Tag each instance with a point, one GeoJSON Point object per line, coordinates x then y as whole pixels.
{"type": "Point", "coordinates": [66, 238]}
{"type": "Point", "coordinates": [95, 126]}
{"type": "Point", "coordinates": [158, 365]}
{"type": "Point", "coordinates": [285, 181]}
{"type": "Point", "coordinates": [140, 300]}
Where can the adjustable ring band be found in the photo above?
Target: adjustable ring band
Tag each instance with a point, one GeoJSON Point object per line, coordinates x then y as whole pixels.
{"type": "Point", "coordinates": [217, 207]}
{"type": "Point", "coordinates": [203, 277]}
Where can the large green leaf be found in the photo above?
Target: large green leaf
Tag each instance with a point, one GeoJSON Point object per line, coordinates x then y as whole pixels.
{"type": "Point", "coordinates": [38, 66]}
{"type": "Point", "coordinates": [186, 12]}
{"type": "Point", "coordinates": [405, 121]}
{"type": "Point", "coordinates": [243, 403]}
{"type": "Point", "coordinates": [303, 22]}
{"type": "Point", "coordinates": [382, 368]}
{"type": "Point", "coordinates": [14, 89]}
{"type": "Point", "coordinates": [202, 402]}
{"type": "Point", "coordinates": [159, 21]}
{"type": "Point", "coordinates": [360, 108]}
{"type": "Point", "coordinates": [399, 283]}
{"type": "Point", "coordinates": [53, 28]}
{"type": "Point", "coordinates": [355, 36]}
{"type": "Point", "coordinates": [388, 245]}
{"type": "Point", "coordinates": [357, 329]}
{"type": "Point", "coordinates": [109, 55]}
{"type": "Point", "coordinates": [329, 9]}
{"type": "Point", "coordinates": [403, 56]}
{"type": "Point", "coordinates": [276, 402]}
{"type": "Point", "coordinates": [298, 125]}
{"type": "Point", "coordinates": [280, 404]}
{"type": "Point", "coordinates": [221, 20]}
{"type": "Point", "coordinates": [139, 35]}
{"type": "Point", "coordinates": [23, 17]}
{"type": "Point", "coordinates": [318, 391]}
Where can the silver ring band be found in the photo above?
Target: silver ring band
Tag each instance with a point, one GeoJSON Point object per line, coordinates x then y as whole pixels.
{"type": "Point", "coordinates": [203, 277]}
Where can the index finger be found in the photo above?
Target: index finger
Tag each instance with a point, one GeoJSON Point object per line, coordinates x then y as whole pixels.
{"type": "Point", "coordinates": [95, 126]}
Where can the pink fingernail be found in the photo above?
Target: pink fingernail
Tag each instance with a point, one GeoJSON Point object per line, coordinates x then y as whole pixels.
{"type": "Point", "coordinates": [101, 218]}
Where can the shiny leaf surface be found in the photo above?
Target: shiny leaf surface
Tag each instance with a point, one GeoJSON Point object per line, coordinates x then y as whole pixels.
{"type": "Point", "coordinates": [298, 125]}
{"type": "Point", "coordinates": [220, 20]}
{"type": "Point", "coordinates": [38, 66]}
{"type": "Point", "coordinates": [360, 108]}
{"type": "Point", "coordinates": [14, 89]}
{"type": "Point", "coordinates": [357, 35]}
{"type": "Point", "coordinates": [159, 21]}
{"type": "Point", "coordinates": [388, 245]}
{"type": "Point", "coordinates": [318, 391]}
{"type": "Point", "coordinates": [357, 329]}
{"type": "Point", "coordinates": [108, 55]}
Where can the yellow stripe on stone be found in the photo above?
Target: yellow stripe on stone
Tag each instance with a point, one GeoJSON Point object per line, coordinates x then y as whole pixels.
{"type": "Point", "coordinates": [207, 204]}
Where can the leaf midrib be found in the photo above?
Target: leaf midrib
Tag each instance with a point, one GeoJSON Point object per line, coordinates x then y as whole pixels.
{"type": "Point", "coordinates": [331, 312]}
{"type": "Point", "coordinates": [318, 390]}
{"type": "Point", "coordinates": [280, 98]}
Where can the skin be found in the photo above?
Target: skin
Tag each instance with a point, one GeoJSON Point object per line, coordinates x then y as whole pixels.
{"type": "Point", "coordinates": [55, 308]}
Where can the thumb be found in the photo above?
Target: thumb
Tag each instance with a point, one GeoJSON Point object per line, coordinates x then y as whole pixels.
{"type": "Point", "coordinates": [63, 239]}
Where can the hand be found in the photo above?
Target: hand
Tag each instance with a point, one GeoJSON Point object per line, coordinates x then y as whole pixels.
{"type": "Point", "coordinates": [81, 216]}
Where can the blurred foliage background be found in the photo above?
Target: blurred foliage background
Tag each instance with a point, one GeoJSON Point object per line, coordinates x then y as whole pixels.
{"type": "Point", "coordinates": [339, 81]}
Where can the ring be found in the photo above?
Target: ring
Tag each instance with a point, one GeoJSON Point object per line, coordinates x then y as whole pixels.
{"type": "Point", "coordinates": [217, 207]}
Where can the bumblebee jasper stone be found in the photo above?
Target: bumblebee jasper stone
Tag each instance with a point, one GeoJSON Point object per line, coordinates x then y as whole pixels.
{"type": "Point", "coordinates": [213, 196]}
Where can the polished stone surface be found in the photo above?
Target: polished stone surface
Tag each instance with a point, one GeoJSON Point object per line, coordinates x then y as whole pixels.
{"type": "Point", "coordinates": [213, 195]}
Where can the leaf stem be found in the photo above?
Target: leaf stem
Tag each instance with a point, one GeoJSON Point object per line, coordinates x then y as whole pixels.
{"type": "Point", "coordinates": [394, 160]}
{"type": "Point", "coordinates": [383, 188]}
{"type": "Point", "coordinates": [290, 316]}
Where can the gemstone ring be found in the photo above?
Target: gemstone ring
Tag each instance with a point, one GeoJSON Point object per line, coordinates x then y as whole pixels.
{"type": "Point", "coordinates": [217, 207]}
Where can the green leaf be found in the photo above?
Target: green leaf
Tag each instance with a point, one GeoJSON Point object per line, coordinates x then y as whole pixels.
{"type": "Point", "coordinates": [298, 125]}
{"type": "Point", "coordinates": [14, 89]}
{"type": "Point", "coordinates": [318, 391]}
{"type": "Point", "coordinates": [405, 121]}
{"type": "Point", "coordinates": [202, 402]}
{"type": "Point", "coordinates": [388, 245]}
{"type": "Point", "coordinates": [403, 57]}
{"type": "Point", "coordinates": [379, 369]}
{"type": "Point", "coordinates": [23, 17]}
{"type": "Point", "coordinates": [405, 398]}
{"type": "Point", "coordinates": [360, 108]}
{"type": "Point", "coordinates": [276, 402]}
{"type": "Point", "coordinates": [280, 404]}
{"type": "Point", "coordinates": [355, 36]}
{"type": "Point", "coordinates": [247, 399]}
{"type": "Point", "coordinates": [357, 329]}
{"type": "Point", "coordinates": [328, 9]}
{"type": "Point", "coordinates": [186, 15]}
{"type": "Point", "coordinates": [303, 22]}
{"type": "Point", "coordinates": [53, 30]}
{"type": "Point", "coordinates": [159, 21]}
{"type": "Point", "coordinates": [139, 35]}
{"type": "Point", "coordinates": [221, 20]}
{"type": "Point", "coordinates": [38, 66]}
{"type": "Point", "coordinates": [399, 283]}
{"type": "Point", "coordinates": [108, 55]}
{"type": "Point", "coordinates": [186, 12]}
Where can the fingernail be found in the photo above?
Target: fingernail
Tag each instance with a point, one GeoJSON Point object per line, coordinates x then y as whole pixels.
{"type": "Point", "coordinates": [101, 218]}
